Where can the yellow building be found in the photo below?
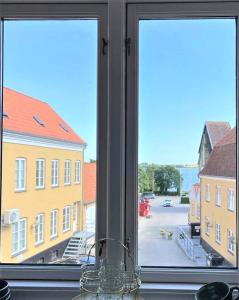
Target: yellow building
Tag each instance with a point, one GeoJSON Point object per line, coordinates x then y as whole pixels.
{"type": "Point", "coordinates": [218, 200]}
{"type": "Point", "coordinates": [41, 181]}
{"type": "Point", "coordinates": [194, 204]}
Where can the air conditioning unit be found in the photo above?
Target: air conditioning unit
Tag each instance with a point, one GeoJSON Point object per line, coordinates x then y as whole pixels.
{"type": "Point", "coordinates": [11, 216]}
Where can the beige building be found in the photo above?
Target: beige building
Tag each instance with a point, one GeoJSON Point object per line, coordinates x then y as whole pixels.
{"type": "Point", "coordinates": [218, 200]}
{"type": "Point", "coordinates": [194, 207]}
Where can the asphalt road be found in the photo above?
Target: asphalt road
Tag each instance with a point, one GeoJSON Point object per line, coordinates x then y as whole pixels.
{"type": "Point", "coordinates": [155, 250]}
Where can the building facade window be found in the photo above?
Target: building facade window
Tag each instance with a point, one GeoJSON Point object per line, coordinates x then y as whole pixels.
{"type": "Point", "coordinates": [39, 229]}
{"type": "Point", "coordinates": [207, 194]}
{"type": "Point", "coordinates": [54, 223]}
{"type": "Point", "coordinates": [230, 241]}
{"type": "Point", "coordinates": [218, 196]}
{"type": "Point", "coordinates": [218, 233]}
{"type": "Point", "coordinates": [55, 172]}
{"type": "Point", "coordinates": [67, 176]}
{"type": "Point", "coordinates": [77, 171]}
{"type": "Point", "coordinates": [66, 219]}
{"type": "Point", "coordinates": [207, 226]}
{"type": "Point", "coordinates": [231, 199]}
{"type": "Point", "coordinates": [40, 173]}
{"type": "Point", "coordinates": [19, 234]}
{"type": "Point", "coordinates": [20, 174]}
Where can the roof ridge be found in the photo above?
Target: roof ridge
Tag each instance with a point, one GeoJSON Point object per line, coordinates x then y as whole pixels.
{"type": "Point", "coordinates": [27, 96]}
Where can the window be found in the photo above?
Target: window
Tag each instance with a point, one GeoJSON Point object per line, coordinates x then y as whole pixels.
{"type": "Point", "coordinates": [218, 195]}
{"type": "Point", "coordinates": [66, 219]}
{"type": "Point", "coordinates": [77, 171]}
{"type": "Point", "coordinates": [118, 163]}
{"type": "Point", "coordinates": [39, 229]}
{"type": "Point", "coordinates": [207, 195]}
{"type": "Point", "coordinates": [67, 178]}
{"type": "Point", "coordinates": [218, 233]}
{"type": "Point", "coordinates": [162, 49]}
{"type": "Point", "coordinates": [19, 234]}
{"type": "Point", "coordinates": [54, 172]}
{"type": "Point", "coordinates": [40, 173]}
{"type": "Point", "coordinates": [231, 199]}
{"type": "Point", "coordinates": [20, 174]}
{"type": "Point", "coordinates": [230, 241]}
{"type": "Point", "coordinates": [54, 223]}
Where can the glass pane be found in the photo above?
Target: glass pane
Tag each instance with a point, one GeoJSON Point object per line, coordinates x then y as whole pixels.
{"type": "Point", "coordinates": [49, 140]}
{"type": "Point", "coordinates": [187, 143]}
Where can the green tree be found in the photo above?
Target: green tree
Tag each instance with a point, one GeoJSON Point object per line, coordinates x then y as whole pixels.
{"type": "Point", "coordinates": [143, 179]}
{"type": "Point", "coordinates": [167, 177]}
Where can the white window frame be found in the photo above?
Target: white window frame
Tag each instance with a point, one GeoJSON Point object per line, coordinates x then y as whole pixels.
{"type": "Point", "coordinates": [207, 192]}
{"type": "Point", "coordinates": [230, 242]}
{"type": "Point", "coordinates": [55, 172]}
{"type": "Point", "coordinates": [18, 176]}
{"type": "Point", "coordinates": [17, 232]}
{"type": "Point", "coordinates": [25, 9]}
{"type": "Point", "coordinates": [39, 229]}
{"type": "Point", "coordinates": [77, 171]}
{"type": "Point", "coordinates": [164, 10]}
{"type": "Point", "coordinates": [40, 173]}
{"type": "Point", "coordinates": [67, 172]}
{"type": "Point", "coordinates": [54, 223]}
{"type": "Point", "coordinates": [231, 195]}
{"type": "Point", "coordinates": [66, 218]}
{"type": "Point", "coordinates": [218, 233]}
{"type": "Point", "coordinates": [218, 195]}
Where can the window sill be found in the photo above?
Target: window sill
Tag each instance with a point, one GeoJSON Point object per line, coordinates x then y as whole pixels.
{"type": "Point", "coordinates": [73, 286]}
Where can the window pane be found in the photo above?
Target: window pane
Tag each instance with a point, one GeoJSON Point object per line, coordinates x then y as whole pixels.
{"type": "Point", "coordinates": [49, 140]}
{"type": "Point", "coordinates": [187, 143]}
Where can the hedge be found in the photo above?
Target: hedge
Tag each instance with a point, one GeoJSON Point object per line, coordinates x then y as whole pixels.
{"type": "Point", "coordinates": [184, 200]}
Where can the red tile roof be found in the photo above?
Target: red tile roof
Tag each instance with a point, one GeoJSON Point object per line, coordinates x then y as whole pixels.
{"type": "Point", "coordinates": [21, 110]}
{"type": "Point", "coordinates": [89, 183]}
{"type": "Point", "coordinates": [222, 159]}
{"type": "Point", "coordinates": [216, 131]}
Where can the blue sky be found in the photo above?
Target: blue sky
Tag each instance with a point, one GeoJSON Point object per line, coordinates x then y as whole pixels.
{"type": "Point", "coordinates": [186, 76]}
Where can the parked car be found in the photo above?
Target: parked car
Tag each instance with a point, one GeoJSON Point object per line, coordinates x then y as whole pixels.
{"type": "Point", "coordinates": [148, 195]}
{"type": "Point", "coordinates": [167, 203]}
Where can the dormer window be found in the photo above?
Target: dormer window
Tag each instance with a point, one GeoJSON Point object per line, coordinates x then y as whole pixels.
{"type": "Point", "coordinates": [38, 121]}
{"type": "Point", "coordinates": [64, 127]}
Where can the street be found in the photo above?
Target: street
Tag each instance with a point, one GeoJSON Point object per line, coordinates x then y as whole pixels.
{"type": "Point", "coordinates": [154, 250]}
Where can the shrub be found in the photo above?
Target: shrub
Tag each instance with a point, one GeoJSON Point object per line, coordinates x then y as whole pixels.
{"type": "Point", "coordinates": [184, 200]}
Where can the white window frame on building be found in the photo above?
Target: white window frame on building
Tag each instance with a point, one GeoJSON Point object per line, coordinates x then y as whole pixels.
{"type": "Point", "coordinates": [54, 223]}
{"type": "Point", "coordinates": [66, 218]}
{"type": "Point", "coordinates": [67, 172]}
{"type": "Point", "coordinates": [77, 171]}
{"type": "Point", "coordinates": [230, 241]}
{"type": "Point", "coordinates": [39, 229]}
{"type": "Point", "coordinates": [207, 192]}
{"type": "Point", "coordinates": [40, 173]}
{"type": "Point", "coordinates": [231, 199]}
{"type": "Point", "coordinates": [20, 174]}
{"type": "Point", "coordinates": [19, 236]}
{"type": "Point", "coordinates": [55, 173]}
{"type": "Point", "coordinates": [218, 195]}
{"type": "Point", "coordinates": [218, 233]}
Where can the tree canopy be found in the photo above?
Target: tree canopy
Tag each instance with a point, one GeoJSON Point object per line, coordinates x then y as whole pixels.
{"type": "Point", "coordinates": [161, 179]}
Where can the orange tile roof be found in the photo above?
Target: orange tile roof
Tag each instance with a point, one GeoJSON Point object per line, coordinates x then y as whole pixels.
{"type": "Point", "coordinates": [21, 110]}
{"type": "Point", "coordinates": [217, 130]}
{"type": "Point", "coordinates": [89, 183]}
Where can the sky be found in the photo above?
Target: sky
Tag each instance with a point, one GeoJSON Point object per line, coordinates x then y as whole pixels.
{"type": "Point", "coordinates": [186, 77]}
